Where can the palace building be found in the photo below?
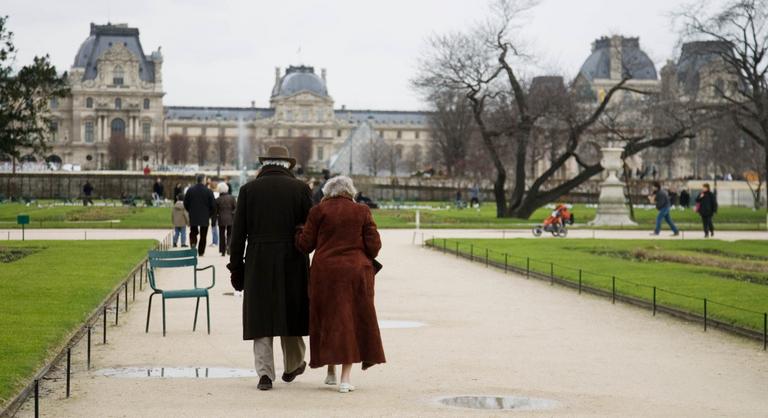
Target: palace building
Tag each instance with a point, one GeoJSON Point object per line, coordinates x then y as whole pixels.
{"type": "Point", "coordinates": [117, 91]}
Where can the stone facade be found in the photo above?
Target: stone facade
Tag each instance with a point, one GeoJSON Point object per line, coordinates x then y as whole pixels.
{"type": "Point", "coordinates": [118, 91]}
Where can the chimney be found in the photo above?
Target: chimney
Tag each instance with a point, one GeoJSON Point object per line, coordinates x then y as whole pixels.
{"type": "Point", "coordinates": [322, 74]}
{"type": "Point", "coordinates": [253, 103]}
{"type": "Point", "coordinates": [617, 68]}
{"type": "Point", "coordinates": [343, 107]}
{"type": "Point", "coordinates": [277, 75]}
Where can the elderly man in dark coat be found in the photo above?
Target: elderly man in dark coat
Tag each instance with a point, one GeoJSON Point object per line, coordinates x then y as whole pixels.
{"type": "Point", "coordinates": [199, 201]}
{"type": "Point", "coordinates": [274, 273]}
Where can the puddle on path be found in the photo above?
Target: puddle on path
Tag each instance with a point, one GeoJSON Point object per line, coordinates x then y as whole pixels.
{"type": "Point", "coordinates": [391, 324]}
{"type": "Point", "coordinates": [517, 403]}
{"type": "Point", "coordinates": [176, 372]}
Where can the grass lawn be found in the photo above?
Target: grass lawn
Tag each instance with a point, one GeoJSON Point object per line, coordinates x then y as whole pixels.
{"type": "Point", "coordinates": [48, 288]}
{"type": "Point", "coordinates": [432, 215]}
{"type": "Point", "coordinates": [726, 273]}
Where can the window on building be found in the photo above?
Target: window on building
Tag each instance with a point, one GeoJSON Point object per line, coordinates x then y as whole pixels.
{"type": "Point", "coordinates": [117, 128]}
{"type": "Point", "coordinates": [417, 134]}
{"type": "Point", "coordinates": [54, 102]}
{"type": "Point", "coordinates": [146, 130]}
{"type": "Point", "coordinates": [88, 131]}
{"type": "Point", "coordinates": [117, 76]}
{"type": "Point", "coordinates": [399, 134]}
{"type": "Point", "coordinates": [320, 115]}
{"type": "Point", "coordinates": [381, 134]}
{"type": "Point", "coordinates": [399, 152]}
{"type": "Point", "coordinates": [288, 115]}
{"type": "Point", "coordinates": [54, 130]}
{"type": "Point", "coordinates": [118, 103]}
{"type": "Point", "coordinates": [320, 133]}
{"type": "Point", "coordinates": [146, 104]}
{"type": "Point", "coordinates": [222, 132]}
{"type": "Point", "coordinates": [338, 133]}
{"type": "Point", "coordinates": [184, 131]}
{"type": "Point", "coordinates": [269, 132]}
{"type": "Point", "coordinates": [290, 133]}
{"type": "Point", "coordinates": [89, 102]}
{"type": "Point", "coordinates": [320, 153]}
{"type": "Point", "coordinates": [203, 131]}
{"type": "Point", "coordinates": [305, 115]}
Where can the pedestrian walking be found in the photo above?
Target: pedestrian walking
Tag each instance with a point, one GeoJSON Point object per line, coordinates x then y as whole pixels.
{"type": "Point", "coordinates": [225, 212]}
{"type": "Point", "coordinates": [87, 192]}
{"type": "Point", "coordinates": [343, 328]}
{"type": "Point", "coordinates": [198, 201]}
{"type": "Point", "coordinates": [180, 219]}
{"type": "Point", "coordinates": [706, 207]}
{"type": "Point", "coordinates": [663, 205]}
{"type": "Point", "coordinates": [685, 199]}
{"type": "Point", "coordinates": [178, 192]}
{"type": "Point", "coordinates": [158, 192]}
{"type": "Point", "coordinates": [272, 273]}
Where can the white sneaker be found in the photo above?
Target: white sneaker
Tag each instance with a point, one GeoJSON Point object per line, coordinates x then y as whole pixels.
{"type": "Point", "coordinates": [330, 379]}
{"type": "Point", "coordinates": [346, 387]}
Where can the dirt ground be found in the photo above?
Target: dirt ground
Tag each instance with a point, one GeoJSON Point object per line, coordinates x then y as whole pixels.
{"type": "Point", "coordinates": [486, 333]}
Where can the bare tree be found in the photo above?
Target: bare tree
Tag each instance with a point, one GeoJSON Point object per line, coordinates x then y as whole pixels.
{"type": "Point", "coordinates": [376, 151]}
{"type": "Point", "coordinates": [201, 147]}
{"type": "Point", "coordinates": [178, 145]}
{"type": "Point", "coordinates": [485, 65]}
{"type": "Point", "coordinates": [451, 123]}
{"type": "Point", "coordinates": [119, 151]}
{"type": "Point", "coordinates": [741, 26]}
{"type": "Point", "coordinates": [222, 149]}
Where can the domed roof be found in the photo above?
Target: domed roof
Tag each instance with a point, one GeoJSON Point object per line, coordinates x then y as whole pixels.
{"type": "Point", "coordinates": [298, 79]}
{"type": "Point", "coordinates": [101, 38]}
{"type": "Point", "coordinates": [693, 57]}
{"type": "Point", "coordinates": [633, 59]}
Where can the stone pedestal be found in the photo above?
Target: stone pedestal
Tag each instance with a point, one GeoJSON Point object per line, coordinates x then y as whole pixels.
{"type": "Point", "coordinates": [612, 209]}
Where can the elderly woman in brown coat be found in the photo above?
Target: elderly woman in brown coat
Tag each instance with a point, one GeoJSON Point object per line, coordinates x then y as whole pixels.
{"type": "Point", "coordinates": [342, 318]}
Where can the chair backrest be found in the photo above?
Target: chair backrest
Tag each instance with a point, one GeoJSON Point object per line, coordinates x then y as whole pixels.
{"type": "Point", "coordinates": [170, 259]}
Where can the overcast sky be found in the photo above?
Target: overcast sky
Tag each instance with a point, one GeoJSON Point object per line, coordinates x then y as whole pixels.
{"type": "Point", "coordinates": [224, 53]}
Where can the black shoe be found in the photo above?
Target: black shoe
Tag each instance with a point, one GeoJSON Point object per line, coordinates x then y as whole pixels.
{"type": "Point", "coordinates": [289, 377]}
{"type": "Point", "coordinates": [265, 383]}
{"type": "Point", "coordinates": [174, 245]}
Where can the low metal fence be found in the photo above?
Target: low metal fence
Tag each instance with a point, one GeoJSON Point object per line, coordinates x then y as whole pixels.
{"type": "Point", "coordinates": [98, 318]}
{"type": "Point", "coordinates": [613, 287]}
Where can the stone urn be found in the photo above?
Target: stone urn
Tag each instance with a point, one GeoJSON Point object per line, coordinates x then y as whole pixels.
{"type": "Point", "coordinates": [612, 209]}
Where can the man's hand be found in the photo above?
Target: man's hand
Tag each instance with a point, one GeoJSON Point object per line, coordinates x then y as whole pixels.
{"type": "Point", "coordinates": [237, 276]}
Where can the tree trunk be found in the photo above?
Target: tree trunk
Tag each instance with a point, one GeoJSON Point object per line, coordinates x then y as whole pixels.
{"type": "Point", "coordinates": [518, 192]}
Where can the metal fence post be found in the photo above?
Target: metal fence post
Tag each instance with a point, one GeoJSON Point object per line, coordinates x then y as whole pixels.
{"type": "Point", "coordinates": [654, 300]}
{"type": "Point", "coordinates": [88, 350]}
{"type": "Point", "coordinates": [527, 267]}
{"type": "Point", "coordinates": [69, 367]}
{"type": "Point", "coordinates": [457, 249]}
{"type": "Point", "coordinates": [705, 314]}
{"type": "Point", "coordinates": [471, 252]}
{"type": "Point", "coordinates": [104, 337]}
{"type": "Point", "coordinates": [444, 244]}
{"type": "Point", "coordinates": [134, 286]}
{"type": "Point", "coordinates": [579, 281]}
{"type": "Point", "coordinates": [551, 273]}
{"type": "Point", "coordinates": [613, 289]}
{"type": "Point", "coordinates": [486, 257]}
{"type": "Point", "coordinates": [765, 331]}
{"type": "Point", "coordinates": [126, 296]}
{"type": "Point", "coordinates": [117, 308]}
{"type": "Point", "coordinates": [506, 262]}
{"type": "Point", "coordinates": [37, 398]}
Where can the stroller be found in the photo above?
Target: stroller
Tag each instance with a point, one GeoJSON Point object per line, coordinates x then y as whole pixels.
{"type": "Point", "coordinates": [556, 223]}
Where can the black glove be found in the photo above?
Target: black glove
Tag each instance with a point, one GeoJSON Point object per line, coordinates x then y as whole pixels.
{"type": "Point", "coordinates": [237, 276]}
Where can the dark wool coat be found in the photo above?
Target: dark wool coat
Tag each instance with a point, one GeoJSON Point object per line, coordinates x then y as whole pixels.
{"type": "Point", "coordinates": [342, 318]}
{"type": "Point", "coordinates": [707, 204]}
{"type": "Point", "coordinates": [225, 209]}
{"type": "Point", "coordinates": [269, 208]}
{"type": "Point", "coordinates": [199, 203]}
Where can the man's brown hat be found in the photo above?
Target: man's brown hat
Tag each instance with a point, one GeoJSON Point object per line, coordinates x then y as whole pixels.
{"type": "Point", "coordinates": [278, 152]}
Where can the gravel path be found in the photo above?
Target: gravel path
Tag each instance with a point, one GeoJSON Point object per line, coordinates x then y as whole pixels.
{"type": "Point", "coordinates": [486, 333]}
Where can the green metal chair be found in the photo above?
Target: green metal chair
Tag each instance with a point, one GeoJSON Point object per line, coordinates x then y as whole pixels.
{"type": "Point", "coordinates": [179, 259]}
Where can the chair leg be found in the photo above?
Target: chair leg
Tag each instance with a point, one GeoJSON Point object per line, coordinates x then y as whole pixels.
{"type": "Point", "coordinates": [163, 316]}
{"type": "Point", "coordinates": [208, 313]}
{"type": "Point", "coordinates": [194, 324]}
{"type": "Point", "coordinates": [149, 309]}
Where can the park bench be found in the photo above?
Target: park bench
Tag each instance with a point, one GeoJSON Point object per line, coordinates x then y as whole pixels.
{"type": "Point", "coordinates": [179, 259]}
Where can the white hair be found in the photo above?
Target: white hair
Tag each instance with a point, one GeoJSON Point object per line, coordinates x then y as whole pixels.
{"type": "Point", "coordinates": [338, 185]}
{"type": "Point", "coordinates": [279, 163]}
{"type": "Point", "coordinates": [222, 188]}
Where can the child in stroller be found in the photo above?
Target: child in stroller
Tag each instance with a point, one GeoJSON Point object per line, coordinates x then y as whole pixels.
{"type": "Point", "coordinates": [556, 223]}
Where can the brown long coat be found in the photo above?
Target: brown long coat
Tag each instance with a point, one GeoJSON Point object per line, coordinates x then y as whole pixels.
{"type": "Point", "coordinates": [342, 318]}
{"type": "Point", "coordinates": [269, 208]}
